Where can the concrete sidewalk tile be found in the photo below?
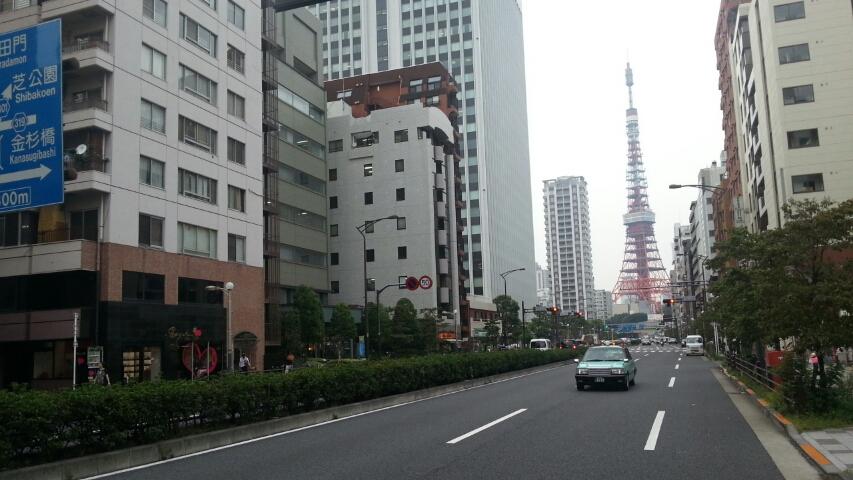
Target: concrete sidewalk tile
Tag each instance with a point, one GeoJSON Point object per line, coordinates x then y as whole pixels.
{"type": "Point", "coordinates": [836, 448]}
{"type": "Point", "coordinates": [818, 435]}
{"type": "Point", "coordinates": [845, 458]}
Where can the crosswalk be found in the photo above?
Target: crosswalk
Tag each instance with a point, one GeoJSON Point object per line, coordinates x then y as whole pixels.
{"type": "Point", "coordinates": [657, 349]}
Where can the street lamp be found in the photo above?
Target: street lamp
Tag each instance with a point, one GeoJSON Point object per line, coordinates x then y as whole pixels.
{"type": "Point", "coordinates": [362, 230]}
{"type": "Point", "coordinates": [229, 349]}
{"type": "Point", "coordinates": [674, 186]}
{"type": "Point", "coordinates": [506, 273]}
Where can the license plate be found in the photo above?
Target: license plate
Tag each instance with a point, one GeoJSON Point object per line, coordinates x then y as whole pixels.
{"type": "Point", "coordinates": [599, 379]}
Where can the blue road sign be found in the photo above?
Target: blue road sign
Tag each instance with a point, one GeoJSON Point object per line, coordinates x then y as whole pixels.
{"type": "Point", "coordinates": [31, 173]}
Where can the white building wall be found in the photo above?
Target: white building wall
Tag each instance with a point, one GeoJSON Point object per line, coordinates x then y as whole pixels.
{"type": "Point", "coordinates": [763, 119]}
{"type": "Point", "coordinates": [420, 237]}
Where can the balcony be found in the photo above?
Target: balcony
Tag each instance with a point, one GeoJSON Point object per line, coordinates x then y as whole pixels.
{"type": "Point", "coordinates": [86, 110]}
{"type": "Point", "coordinates": [63, 8]}
{"type": "Point", "coordinates": [53, 251]}
{"type": "Point", "coordinates": [87, 53]}
{"type": "Point", "coordinates": [20, 7]}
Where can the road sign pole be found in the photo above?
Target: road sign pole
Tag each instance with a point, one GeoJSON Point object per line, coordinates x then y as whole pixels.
{"type": "Point", "coordinates": [74, 355]}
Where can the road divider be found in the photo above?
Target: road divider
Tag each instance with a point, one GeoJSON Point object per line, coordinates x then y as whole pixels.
{"type": "Point", "coordinates": [484, 427]}
{"type": "Point", "coordinates": [652, 441]}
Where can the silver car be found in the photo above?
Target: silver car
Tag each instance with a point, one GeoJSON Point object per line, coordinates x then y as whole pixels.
{"type": "Point", "coordinates": [694, 345]}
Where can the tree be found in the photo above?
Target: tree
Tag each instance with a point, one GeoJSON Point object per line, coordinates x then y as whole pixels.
{"type": "Point", "coordinates": [342, 327]}
{"type": "Point", "coordinates": [794, 282]}
{"type": "Point", "coordinates": [374, 322]}
{"type": "Point", "coordinates": [492, 330]}
{"type": "Point", "coordinates": [507, 312]}
{"type": "Point", "coordinates": [404, 327]}
{"type": "Point", "coordinates": [628, 318]}
{"type": "Point", "coordinates": [306, 304]}
{"type": "Point", "coordinates": [291, 339]}
{"type": "Point", "coordinates": [429, 324]}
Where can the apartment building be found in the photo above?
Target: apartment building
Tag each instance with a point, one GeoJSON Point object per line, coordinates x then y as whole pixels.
{"type": "Point", "coordinates": [394, 165]}
{"type": "Point", "coordinates": [543, 286]}
{"type": "Point", "coordinates": [481, 44]}
{"type": "Point", "coordinates": [568, 243]}
{"type": "Point", "coordinates": [681, 275]}
{"type": "Point", "coordinates": [790, 68]}
{"type": "Point", "coordinates": [602, 308]}
{"type": "Point", "coordinates": [165, 201]}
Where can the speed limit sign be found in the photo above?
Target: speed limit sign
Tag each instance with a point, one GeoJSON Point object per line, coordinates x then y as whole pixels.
{"type": "Point", "coordinates": [426, 282]}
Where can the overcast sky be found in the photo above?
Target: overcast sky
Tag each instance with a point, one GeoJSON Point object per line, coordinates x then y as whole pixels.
{"type": "Point", "coordinates": [576, 100]}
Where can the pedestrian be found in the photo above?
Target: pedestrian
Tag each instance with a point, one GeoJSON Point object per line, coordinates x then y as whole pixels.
{"type": "Point", "coordinates": [102, 377]}
{"type": "Point", "coordinates": [288, 362]}
{"type": "Point", "coordinates": [841, 356]}
{"type": "Point", "coordinates": [244, 362]}
{"type": "Point", "coordinates": [814, 362]}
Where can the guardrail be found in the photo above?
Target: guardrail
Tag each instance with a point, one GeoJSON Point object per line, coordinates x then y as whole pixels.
{"type": "Point", "coordinates": [756, 372]}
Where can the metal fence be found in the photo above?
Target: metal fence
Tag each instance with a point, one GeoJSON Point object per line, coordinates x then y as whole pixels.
{"type": "Point", "coordinates": [753, 370]}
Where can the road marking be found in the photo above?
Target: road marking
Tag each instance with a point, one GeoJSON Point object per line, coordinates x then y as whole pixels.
{"type": "Point", "coordinates": [488, 425]}
{"type": "Point", "coordinates": [676, 366]}
{"type": "Point", "coordinates": [671, 382]}
{"type": "Point", "coordinates": [646, 355]}
{"type": "Point", "coordinates": [653, 435]}
{"type": "Point", "coordinates": [308, 427]}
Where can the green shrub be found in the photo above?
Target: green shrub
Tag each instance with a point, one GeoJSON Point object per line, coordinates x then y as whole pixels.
{"type": "Point", "coordinates": [803, 393]}
{"type": "Point", "coordinates": [39, 426]}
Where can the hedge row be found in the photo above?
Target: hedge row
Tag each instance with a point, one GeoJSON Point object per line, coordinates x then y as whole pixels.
{"type": "Point", "coordinates": [40, 426]}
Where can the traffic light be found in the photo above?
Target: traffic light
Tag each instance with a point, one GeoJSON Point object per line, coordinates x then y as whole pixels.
{"type": "Point", "coordinates": [670, 301]}
{"type": "Point", "coordinates": [554, 310]}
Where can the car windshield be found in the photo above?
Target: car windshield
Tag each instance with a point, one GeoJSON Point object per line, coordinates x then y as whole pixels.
{"type": "Point", "coordinates": [604, 354]}
{"type": "Point", "coordinates": [539, 344]}
{"type": "Point", "coordinates": [694, 339]}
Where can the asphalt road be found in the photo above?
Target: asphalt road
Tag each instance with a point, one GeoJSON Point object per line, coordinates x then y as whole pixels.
{"type": "Point", "coordinates": [548, 430]}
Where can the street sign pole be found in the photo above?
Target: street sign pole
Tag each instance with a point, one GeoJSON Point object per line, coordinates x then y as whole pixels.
{"type": "Point", "coordinates": [74, 355]}
{"type": "Point", "coordinates": [31, 152]}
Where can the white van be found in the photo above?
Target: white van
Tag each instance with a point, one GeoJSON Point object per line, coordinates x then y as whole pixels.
{"type": "Point", "coordinates": [694, 345]}
{"type": "Point", "coordinates": [540, 344]}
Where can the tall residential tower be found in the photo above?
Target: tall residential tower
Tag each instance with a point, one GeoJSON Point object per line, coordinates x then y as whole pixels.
{"type": "Point", "coordinates": [568, 243]}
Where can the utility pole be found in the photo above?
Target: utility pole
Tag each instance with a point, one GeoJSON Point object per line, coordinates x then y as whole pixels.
{"type": "Point", "coordinates": [74, 355]}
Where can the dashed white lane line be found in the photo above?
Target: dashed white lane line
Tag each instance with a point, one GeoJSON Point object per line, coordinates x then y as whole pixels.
{"type": "Point", "coordinates": [676, 366]}
{"type": "Point", "coordinates": [671, 382]}
{"type": "Point", "coordinates": [488, 425]}
{"type": "Point", "coordinates": [652, 441]}
{"type": "Point", "coordinates": [646, 355]}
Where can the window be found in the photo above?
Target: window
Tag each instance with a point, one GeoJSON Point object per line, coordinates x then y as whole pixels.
{"type": "Point", "coordinates": [440, 222]}
{"type": "Point", "coordinates": [369, 255]}
{"type": "Point", "coordinates": [333, 174]}
{"type": "Point", "coordinates": [402, 254]}
{"type": "Point", "coordinates": [401, 194]}
{"type": "Point", "coordinates": [794, 53]}
{"type": "Point", "coordinates": [197, 135]}
{"type": "Point", "coordinates": [298, 177]}
{"type": "Point", "coordinates": [236, 15]}
{"type": "Point", "coordinates": [198, 85]}
{"type": "Point", "coordinates": [152, 117]}
{"type": "Point", "coordinates": [401, 223]}
{"type": "Point", "coordinates": [194, 240]}
{"type": "Point", "coordinates": [153, 62]}
{"type": "Point", "coordinates": [333, 230]}
{"type": "Point", "coordinates": [364, 139]}
{"type": "Point", "coordinates": [399, 165]}
{"type": "Point", "coordinates": [344, 94]}
{"type": "Point", "coordinates": [333, 258]}
{"type": "Point", "coordinates": [300, 216]}
{"type": "Point", "coordinates": [300, 104]}
{"type": "Point", "coordinates": [368, 198]}
{"type": "Point", "coordinates": [333, 202]}
{"type": "Point", "coordinates": [810, 183]}
{"type": "Point", "coordinates": [199, 36]}
{"type": "Point", "coordinates": [197, 186]}
{"type": "Point", "coordinates": [194, 290]}
{"type": "Point", "coordinates": [368, 169]}
{"type": "Point", "coordinates": [336, 146]}
{"type": "Point", "coordinates": [155, 10]}
{"type": "Point", "coordinates": [299, 140]}
{"type": "Point", "coordinates": [236, 105]}
{"type": "Point", "coordinates": [416, 86]}
{"type": "Point", "coordinates": [236, 59]}
{"type": "Point", "coordinates": [401, 136]}
{"type": "Point", "coordinates": [803, 138]}
{"type": "Point", "coordinates": [798, 94]}
{"type": "Point", "coordinates": [143, 287]}
{"type": "Point", "coordinates": [236, 198]}
{"type": "Point", "coordinates": [336, 286]}
{"type": "Point", "coordinates": [151, 172]}
{"type": "Point", "coordinates": [84, 225]}
{"type": "Point", "coordinates": [236, 248]}
{"type": "Point", "coordinates": [236, 151]}
{"type": "Point", "coordinates": [424, 132]}
{"type": "Point", "coordinates": [209, 3]}
{"type": "Point", "coordinates": [292, 254]}
{"type": "Point", "coordinates": [789, 11]}
{"type": "Point", "coordinates": [150, 231]}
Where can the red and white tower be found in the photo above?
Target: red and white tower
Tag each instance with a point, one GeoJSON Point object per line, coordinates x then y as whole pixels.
{"type": "Point", "coordinates": [643, 277]}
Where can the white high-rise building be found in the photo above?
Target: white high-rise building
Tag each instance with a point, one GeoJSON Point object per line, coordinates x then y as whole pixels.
{"type": "Point", "coordinates": [569, 243]}
{"type": "Point", "coordinates": [791, 69]}
{"type": "Point", "coordinates": [481, 44]}
{"type": "Point", "coordinates": [543, 286]}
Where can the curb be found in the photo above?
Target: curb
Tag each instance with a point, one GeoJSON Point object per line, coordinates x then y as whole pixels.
{"type": "Point", "coordinates": [813, 455]}
{"type": "Point", "coordinates": [108, 462]}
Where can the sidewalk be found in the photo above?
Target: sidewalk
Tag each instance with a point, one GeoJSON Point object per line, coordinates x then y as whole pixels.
{"type": "Point", "coordinates": [836, 445]}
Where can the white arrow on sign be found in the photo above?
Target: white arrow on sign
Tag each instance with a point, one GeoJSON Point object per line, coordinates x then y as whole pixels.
{"type": "Point", "coordinates": [39, 173]}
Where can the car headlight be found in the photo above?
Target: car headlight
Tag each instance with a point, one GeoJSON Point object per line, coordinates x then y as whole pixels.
{"type": "Point", "coordinates": [583, 371]}
{"type": "Point", "coordinates": [617, 371]}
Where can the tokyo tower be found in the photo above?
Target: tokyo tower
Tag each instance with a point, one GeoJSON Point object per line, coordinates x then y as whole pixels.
{"type": "Point", "coordinates": [643, 277]}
